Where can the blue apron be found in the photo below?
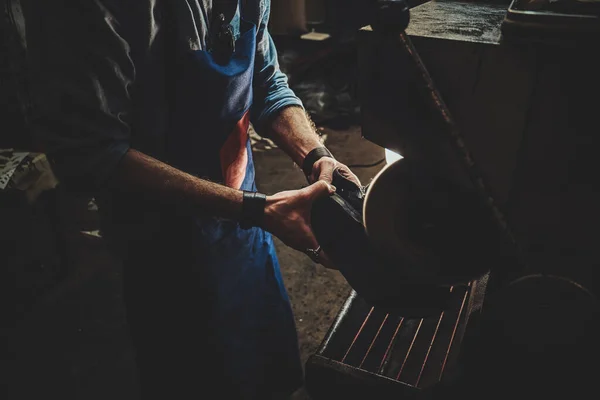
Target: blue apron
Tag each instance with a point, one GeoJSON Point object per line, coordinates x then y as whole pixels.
{"type": "Point", "coordinates": [215, 313]}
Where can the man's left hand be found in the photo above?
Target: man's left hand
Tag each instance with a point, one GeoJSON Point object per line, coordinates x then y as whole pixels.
{"type": "Point", "coordinates": [323, 170]}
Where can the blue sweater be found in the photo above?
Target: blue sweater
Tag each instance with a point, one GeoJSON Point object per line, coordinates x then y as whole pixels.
{"type": "Point", "coordinates": [97, 78]}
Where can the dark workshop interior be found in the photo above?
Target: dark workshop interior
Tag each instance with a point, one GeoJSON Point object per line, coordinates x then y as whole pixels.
{"type": "Point", "coordinates": [464, 264]}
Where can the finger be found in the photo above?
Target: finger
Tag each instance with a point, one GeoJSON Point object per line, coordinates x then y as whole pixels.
{"type": "Point", "coordinates": [315, 176]}
{"type": "Point", "coordinates": [322, 258]}
{"type": "Point", "coordinates": [320, 188]}
{"type": "Point", "coordinates": [310, 243]}
{"type": "Point", "coordinates": [346, 173]}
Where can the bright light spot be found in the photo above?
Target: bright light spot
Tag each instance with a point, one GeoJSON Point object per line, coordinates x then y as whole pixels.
{"type": "Point", "coordinates": [391, 156]}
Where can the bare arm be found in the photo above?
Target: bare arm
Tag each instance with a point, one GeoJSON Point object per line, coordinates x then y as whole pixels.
{"type": "Point", "coordinates": [294, 133]}
{"type": "Point", "coordinates": [286, 213]}
{"type": "Point", "coordinates": [140, 173]}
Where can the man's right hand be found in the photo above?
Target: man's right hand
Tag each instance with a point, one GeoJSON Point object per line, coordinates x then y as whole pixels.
{"type": "Point", "coordinates": [287, 216]}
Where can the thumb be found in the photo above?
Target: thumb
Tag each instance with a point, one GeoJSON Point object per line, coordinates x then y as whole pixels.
{"type": "Point", "coordinates": [326, 175]}
{"type": "Point", "coordinates": [319, 189]}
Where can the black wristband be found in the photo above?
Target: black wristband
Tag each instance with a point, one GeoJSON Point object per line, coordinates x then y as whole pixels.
{"type": "Point", "coordinates": [253, 209]}
{"type": "Point", "coordinates": [312, 157]}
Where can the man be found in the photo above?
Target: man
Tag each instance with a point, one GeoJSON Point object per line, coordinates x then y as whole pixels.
{"type": "Point", "coordinates": [147, 104]}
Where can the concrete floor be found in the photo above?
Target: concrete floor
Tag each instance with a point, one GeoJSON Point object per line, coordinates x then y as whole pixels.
{"type": "Point", "coordinates": [74, 345]}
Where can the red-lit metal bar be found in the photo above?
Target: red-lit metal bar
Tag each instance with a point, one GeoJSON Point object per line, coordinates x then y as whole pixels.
{"type": "Point", "coordinates": [454, 331]}
{"type": "Point", "coordinates": [432, 341]}
{"type": "Point", "coordinates": [409, 349]}
{"type": "Point", "coordinates": [357, 334]}
{"type": "Point", "coordinates": [373, 341]}
{"type": "Point", "coordinates": [429, 349]}
{"type": "Point", "coordinates": [387, 351]}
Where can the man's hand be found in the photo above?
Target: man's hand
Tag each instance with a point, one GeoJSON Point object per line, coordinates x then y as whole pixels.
{"type": "Point", "coordinates": [287, 216]}
{"type": "Point", "coordinates": [323, 170]}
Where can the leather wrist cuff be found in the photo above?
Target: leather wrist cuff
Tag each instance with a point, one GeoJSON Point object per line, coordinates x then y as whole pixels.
{"type": "Point", "coordinates": [312, 157]}
{"type": "Point", "coordinates": [253, 209]}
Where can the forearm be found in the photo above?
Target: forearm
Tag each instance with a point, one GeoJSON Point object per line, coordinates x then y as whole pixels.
{"type": "Point", "coordinates": [293, 132]}
{"type": "Point", "coordinates": [140, 173]}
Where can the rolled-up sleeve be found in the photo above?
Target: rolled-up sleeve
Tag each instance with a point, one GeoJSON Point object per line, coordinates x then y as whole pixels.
{"type": "Point", "coordinates": [271, 90]}
{"type": "Point", "coordinates": [80, 73]}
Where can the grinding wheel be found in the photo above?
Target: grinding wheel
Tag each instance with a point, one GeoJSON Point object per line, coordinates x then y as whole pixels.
{"type": "Point", "coordinates": [435, 232]}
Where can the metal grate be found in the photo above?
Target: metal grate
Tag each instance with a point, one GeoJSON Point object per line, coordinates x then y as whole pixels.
{"type": "Point", "coordinates": [415, 352]}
